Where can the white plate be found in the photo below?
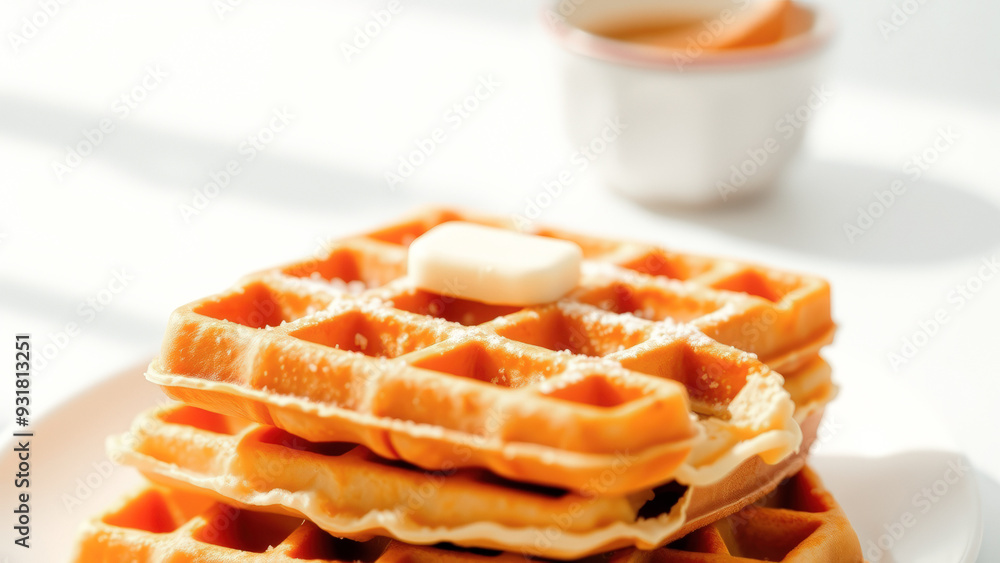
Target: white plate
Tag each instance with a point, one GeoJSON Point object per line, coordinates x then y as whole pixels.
{"type": "Point", "coordinates": [71, 478]}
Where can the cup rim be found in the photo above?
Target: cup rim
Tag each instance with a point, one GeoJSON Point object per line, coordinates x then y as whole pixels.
{"type": "Point", "coordinates": [582, 42]}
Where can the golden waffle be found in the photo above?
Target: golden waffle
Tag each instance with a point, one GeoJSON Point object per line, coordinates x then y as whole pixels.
{"type": "Point", "coordinates": [347, 490]}
{"type": "Point", "coordinates": [343, 348]}
{"type": "Point", "coordinates": [798, 523]}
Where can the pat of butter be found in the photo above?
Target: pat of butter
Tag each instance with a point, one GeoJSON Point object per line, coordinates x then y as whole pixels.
{"type": "Point", "coordinates": [494, 266]}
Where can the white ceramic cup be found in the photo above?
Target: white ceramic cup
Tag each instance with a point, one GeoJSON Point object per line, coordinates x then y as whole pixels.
{"type": "Point", "coordinates": [679, 126]}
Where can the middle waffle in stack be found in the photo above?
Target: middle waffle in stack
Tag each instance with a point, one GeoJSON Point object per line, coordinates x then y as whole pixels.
{"type": "Point", "coordinates": [370, 419]}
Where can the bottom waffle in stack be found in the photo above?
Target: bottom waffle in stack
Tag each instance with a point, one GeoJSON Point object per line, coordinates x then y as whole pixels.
{"type": "Point", "coordinates": [798, 522]}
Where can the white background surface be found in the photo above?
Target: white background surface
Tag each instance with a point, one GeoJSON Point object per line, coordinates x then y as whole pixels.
{"type": "Point", "coordinates": [62, 240]}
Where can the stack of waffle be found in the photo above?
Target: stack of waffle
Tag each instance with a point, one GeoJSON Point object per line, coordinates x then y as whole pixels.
{"type": "Point", "coordinates": [331, 411]}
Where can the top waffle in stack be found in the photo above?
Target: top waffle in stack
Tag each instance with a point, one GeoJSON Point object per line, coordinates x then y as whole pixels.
{"type": "Point", "coordinates": [654, 356]}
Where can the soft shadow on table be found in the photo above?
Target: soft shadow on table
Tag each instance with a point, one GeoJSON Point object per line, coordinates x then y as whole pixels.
{"type": "Point", "coordinates": [117, 322]}
{"type": "Point", "coordinates": [807, 210]}
{"type": "Point", "coordinates": [906, 495]}
{"type": "Point", "coordinates": [509, 11]}
{"type": "Point", "coordinates": [182, 163]}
